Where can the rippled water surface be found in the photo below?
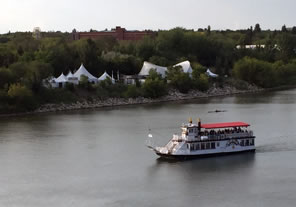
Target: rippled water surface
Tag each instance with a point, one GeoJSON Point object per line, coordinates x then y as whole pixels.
{"type": "Point", "coordinates": [98, 157]}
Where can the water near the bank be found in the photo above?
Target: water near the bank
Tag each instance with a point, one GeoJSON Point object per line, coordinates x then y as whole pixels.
{"type": "Point", "coordinates": [98, 157]}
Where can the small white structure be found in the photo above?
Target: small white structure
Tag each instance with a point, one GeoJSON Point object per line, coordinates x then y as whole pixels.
{"type": "Point", "coordinates": [37, 33]}
{"type": "Point", "coordinates": [210, 74]}
{"type": "Point", "coordinates": [50, 82]}
{"type": "Point", "coordinates": [82, 71]}
{"type": "Point", "coordinates": [148, 66]}
{"type": "Point", "coordinates": [185, 66]}
{"type": "Point", "coordinates": [105, 76]}
{"type": "Point", "coordinates": [250, 46]}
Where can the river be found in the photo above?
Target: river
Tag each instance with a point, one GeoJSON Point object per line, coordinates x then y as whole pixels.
{"type": "Point", "coordinates": [98, 157]}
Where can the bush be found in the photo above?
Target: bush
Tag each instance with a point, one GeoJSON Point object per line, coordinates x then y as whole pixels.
{"type": "Point", "coordinates": [178, 79]}
{"type": "Point", "coordinates": [22, 97]}
{"type": "Point", "coordinates": [132, 92]}
{"type": "Point", "coordinates": [202, 82]}
{"type": "Point", "coordinates": [154, 86]}
{"type": "Point", "coordinates": [255, 71]}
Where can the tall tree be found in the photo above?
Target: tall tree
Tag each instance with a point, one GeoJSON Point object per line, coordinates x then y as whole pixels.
{"type": "Point", "coordinates": [257, 28]}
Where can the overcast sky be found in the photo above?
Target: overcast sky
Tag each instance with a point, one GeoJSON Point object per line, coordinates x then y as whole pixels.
{"type": "Point", "coordinates": [64, 15]}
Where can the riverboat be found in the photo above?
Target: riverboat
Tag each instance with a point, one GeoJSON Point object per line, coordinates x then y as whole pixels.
{"type": "Point", "coordinates": [204, 140]}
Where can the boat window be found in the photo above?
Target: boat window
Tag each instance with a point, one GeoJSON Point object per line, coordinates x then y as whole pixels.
{"type": "Point", "coordinates": [190, 130]}
{"type": "Point", "coordinates": [242, 143]}
{"type": "Point", "coordinates": [218, 144]}
{"type": "Point", "coordinates": [252, 142]}
{"type": "Point", "coordinates": [213, 146]}
{"type": "Point", "coordinates": [247, 142]}
{"type": "Point", "coordinates": [198, 147]}
{"type": "Point", "coordinates": [208, 145]}
{"type": "Point", "coordinates": [202, 146]}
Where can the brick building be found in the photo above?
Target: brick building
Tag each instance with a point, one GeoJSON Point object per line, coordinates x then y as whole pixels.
{"type": "Point", "coordinates": [118, 33]}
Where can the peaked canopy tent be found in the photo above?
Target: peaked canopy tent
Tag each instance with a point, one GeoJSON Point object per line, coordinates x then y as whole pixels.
{"type": "Point", "coordinates": [82, 71]}
{"type": "Point", "coordinates": [60, 81]}
{"type": "Point", "coordinates": [105, 76]}
{"type": "Point", "coordinates": [210, 74]}
{"type": "Point", "coordinates": [72, 79]}
{"type": "Point", "coordinates": [185, 66]}
{"type": "Point", "coordinates": [148, 66]}
{"type": "Point", "coordinates": [70, 75]}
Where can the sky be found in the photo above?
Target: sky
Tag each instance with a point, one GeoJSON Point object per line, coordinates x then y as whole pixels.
{"type": "Point", "coordinates": [83, 15]}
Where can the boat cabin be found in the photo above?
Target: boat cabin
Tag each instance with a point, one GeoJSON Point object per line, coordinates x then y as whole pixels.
{"type": "Point", "coordinates": [215, 131]}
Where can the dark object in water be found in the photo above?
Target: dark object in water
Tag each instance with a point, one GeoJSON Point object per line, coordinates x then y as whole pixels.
{"type": "Point", "coordinates": [217, 111]}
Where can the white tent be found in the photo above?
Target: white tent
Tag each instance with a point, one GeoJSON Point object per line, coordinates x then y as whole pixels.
{"type": "Point", "coordinates": [82, 71]}
{"type": "Point", "coordinates": [72, 79]}
{"type": "Point", "coordinates": [210, 74]}
{"type": "Point", "coordinates": [148, 66]}
{"type": "Point", "coordinates": [185, 66]}
{"type": "Point", "coordinates": [70, 75]}
{"type": "Point", "coordinates": [60, 81]}
{"type": "Point", "coordinates": [105, 76]}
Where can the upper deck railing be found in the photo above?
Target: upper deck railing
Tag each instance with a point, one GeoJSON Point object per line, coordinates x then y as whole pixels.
{"type": "Point", "coordinates": [214, 136]}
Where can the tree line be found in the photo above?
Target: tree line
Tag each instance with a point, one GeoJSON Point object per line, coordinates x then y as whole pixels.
{"type": "Point", "coordinates": [25, 62]}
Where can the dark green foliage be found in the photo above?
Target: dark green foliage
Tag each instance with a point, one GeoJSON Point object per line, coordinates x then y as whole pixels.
{"type": "Point", "coordinates": [255, 71]}
{"type": "Point", "coordinates": [25, 62]}
{"type": "Point", "coordinates": [154, 86]}
{"type": "Point", "coordinates": [21, 97]}
{"type": "Point", "coordinates": [265, 74]}
{"type": "Point", "coordinates": [178, 79]}
{"type": "Point", "coordinates": [132, 92]}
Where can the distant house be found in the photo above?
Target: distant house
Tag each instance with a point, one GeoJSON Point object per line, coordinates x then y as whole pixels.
{"type": "Point", "coordinates": [249, 46]}
{"type": "Point", "coordinates": [253, 47]}
{"type": "Point", "coordinates": [37, 33]}
{"type": "Point", "coordinates": [130, 79]}
{"type": "Point", "coordinates": [118, 33]}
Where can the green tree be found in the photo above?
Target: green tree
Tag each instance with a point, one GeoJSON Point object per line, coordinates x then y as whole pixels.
{"type": "Point", "coordinates": [284, 28]}
{"type": "Point", "coordinates": [154, 86]}
{"type": "Point", "coordinates": [38, 71]}
{"type": "Point", "coordinates": [255, 71]}
{"type": "Point", "coordinates": [257, 28]}
{"type": "Point", "coordinates": [178, 79]}
{"type": "Point", "coordinates": [200, 80]}
{"type": "Point", "coordinates": [22, 97]}
{"type": "Point", "coordinates": [6, 77]}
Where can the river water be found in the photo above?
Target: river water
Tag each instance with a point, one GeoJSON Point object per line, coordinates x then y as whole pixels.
{"type": "Point", "coordinates": [98, 157]}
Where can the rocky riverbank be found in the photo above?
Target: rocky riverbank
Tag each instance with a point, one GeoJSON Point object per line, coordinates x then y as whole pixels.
{"type": "Point", "coordinates": [172, 96]}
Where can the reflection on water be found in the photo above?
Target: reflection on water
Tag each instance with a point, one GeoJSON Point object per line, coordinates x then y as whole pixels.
{"type": "Point", "coordinates": [99, 158]}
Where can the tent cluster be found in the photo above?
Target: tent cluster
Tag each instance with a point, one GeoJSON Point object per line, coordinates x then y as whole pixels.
{"type": "Point", "coordinates": [186, 67]}
{"type": "Point", "coordinates": [75, 78]}
{"type": "Point", "coordinates": [62, 80]}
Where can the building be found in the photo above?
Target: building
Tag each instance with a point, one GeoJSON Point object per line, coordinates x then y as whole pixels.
{"type": "Point", "coordinates": [36, 33]}
{"type": "Point", "coordinates": [118, 33]}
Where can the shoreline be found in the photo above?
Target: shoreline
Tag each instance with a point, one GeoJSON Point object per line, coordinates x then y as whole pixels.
{"type": "Point", "coordinates": [114, 102]}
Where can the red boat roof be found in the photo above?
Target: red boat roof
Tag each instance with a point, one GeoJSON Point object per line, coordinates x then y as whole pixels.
{"type": "Point", "coordinates": [224, 125]}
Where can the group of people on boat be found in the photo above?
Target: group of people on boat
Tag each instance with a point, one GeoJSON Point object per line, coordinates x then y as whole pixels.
{"type": "Point", "coordinates": [225, 131]}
